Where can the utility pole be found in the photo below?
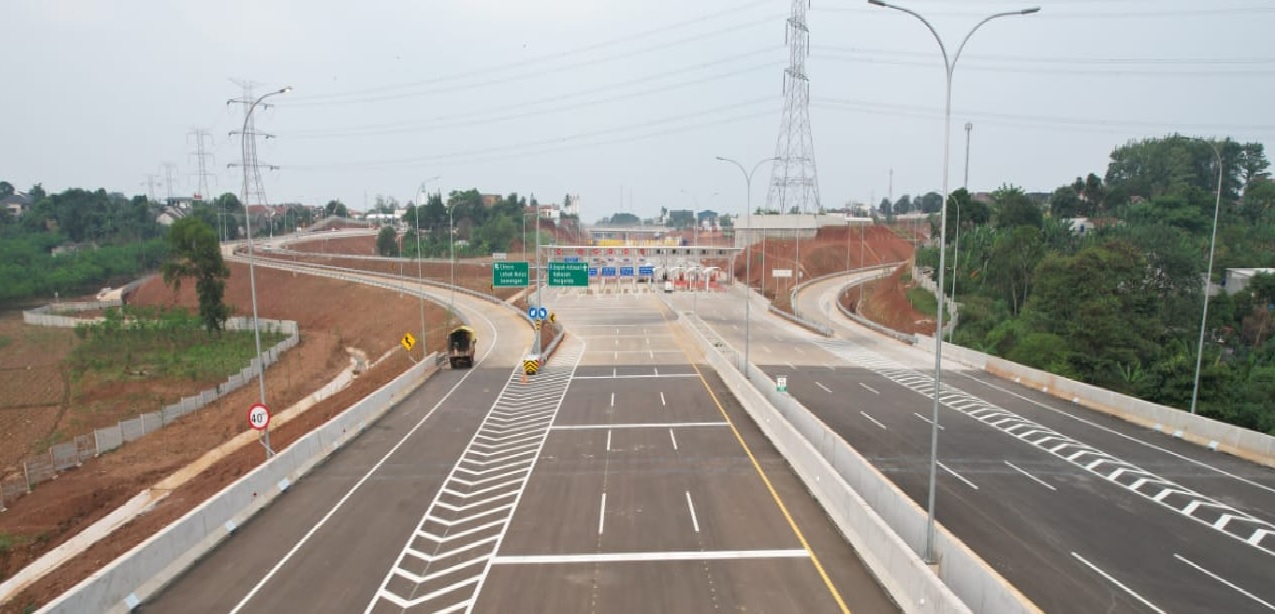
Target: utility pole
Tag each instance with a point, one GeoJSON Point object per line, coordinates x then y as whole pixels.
{"type": "Point", "coordinates": [170, 170]}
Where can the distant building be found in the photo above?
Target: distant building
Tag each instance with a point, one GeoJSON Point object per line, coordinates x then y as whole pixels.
{"type": "Point", "coordinates": [1238, 279]}
{"type": "Point", "coordinates": [491, 200]}
{"type": "Point", "coordinates": [17, 204]}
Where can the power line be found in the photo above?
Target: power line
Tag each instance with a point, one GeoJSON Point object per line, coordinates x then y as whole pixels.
{"type": "Point", "coordinates": [1052, 14]}
{"type": "Point", "coordinates": [543, 58]}
{"type": "Point", "coordinates": [522, 147]}
{"type": "Point", "coordinates": [1052, 60]}
{"type": "Point", "coordinates": [420, 127]}
{"type": "Point", "coordinates": [906, 110]}
{"type": "Point", "coordinates": [505, 80]}
{"type": "Point", "coordinates": [1057, 71]}
{"type": "Point", "coordinates": [170, 171]}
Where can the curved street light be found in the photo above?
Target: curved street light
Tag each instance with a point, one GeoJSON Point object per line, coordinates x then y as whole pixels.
{"type": "Point", "coordinates": [748, 259]}
{"type": "Point", "coordinates": [949, 66]}
{"type": "Point", "coordinates": [252, 275]}
{"type": "Point", "coordinates": [1208, 279]}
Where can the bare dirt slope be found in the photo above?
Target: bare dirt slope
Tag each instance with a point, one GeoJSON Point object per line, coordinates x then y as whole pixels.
{"type": "Point", "coordinates": [333, 316]}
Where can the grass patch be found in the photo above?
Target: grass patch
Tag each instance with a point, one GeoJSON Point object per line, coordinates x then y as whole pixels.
{"type": "Point", "coordinates": [4, 341]}
{"type": "Point", "coordinates": [8, 542]}
{"type": "Point", "coordinates": [924, 302]}
{"type": "Point", "coordinates": [149, 343]}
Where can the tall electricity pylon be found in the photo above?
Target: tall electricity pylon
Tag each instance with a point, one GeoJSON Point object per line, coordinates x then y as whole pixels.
{"type": "Point", "coordinates": [794, 183]}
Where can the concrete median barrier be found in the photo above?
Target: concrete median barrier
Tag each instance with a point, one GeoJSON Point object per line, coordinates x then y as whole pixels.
{"type": "Point", "coordinates": [886, 527]}
{"type": "Point", "coordinates": [146, 569]}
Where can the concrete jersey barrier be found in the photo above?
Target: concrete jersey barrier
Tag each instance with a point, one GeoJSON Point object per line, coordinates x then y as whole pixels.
{"type": "Point", "coordinates": [143, 571]}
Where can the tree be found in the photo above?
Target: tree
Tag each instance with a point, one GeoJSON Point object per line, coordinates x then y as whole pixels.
{"type": "Point", "coordinates": [1014, 209]}
{"type": "Point", "coordinates": [195, 252]}
{"type": "Point", "coordinates": [886, 208]}
{"type": "Point", "coordinates": [930, 202]}
{"type": "Point", "coordinates": [335, 208]}
{"type": "Point", "coordinates": [1065, 203]}
{"type": "Point", "coordinates": [903, 205]}
{"type": "Point", "coordinates": [6, 189]}
{"type": "Point", "coordinates": [387, 242]}
{"type": "Point", "coordinates": [625, 219]}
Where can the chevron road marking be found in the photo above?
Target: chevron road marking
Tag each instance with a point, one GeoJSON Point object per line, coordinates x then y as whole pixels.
{"type": "Point", "coordinates": [1196, 506]}
{"type": "Point", "coordinates": [444, 561]}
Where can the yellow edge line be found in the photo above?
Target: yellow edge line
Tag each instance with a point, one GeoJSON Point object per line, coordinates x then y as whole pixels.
{"type": "Point", "coordinates": [836, 595]}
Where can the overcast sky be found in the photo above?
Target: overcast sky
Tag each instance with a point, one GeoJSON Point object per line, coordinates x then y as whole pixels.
{"type": "Point", "coordinates": [608, 97]}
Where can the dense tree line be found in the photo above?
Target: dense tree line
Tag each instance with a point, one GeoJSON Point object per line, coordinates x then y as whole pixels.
{"type": "Point", "coordinates": [107, 238]}
{"type": "Point", "coordinates": [1120, 304]}
{"type": "Point", "coordinates": [479, 229]}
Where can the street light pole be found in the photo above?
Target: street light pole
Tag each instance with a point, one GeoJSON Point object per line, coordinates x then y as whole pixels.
{"type": "Point", "coordinates": [539, 281]}
{"type": "Point", "coordinates": [956, 249]}
{"type": "Point", "coordinates": [748, 261]}
{"type": "Point", "coordinates": [1208, 280]}
{"type": "Point", "coordinates": [949, 66]}
{"type": "Point", "coordinates": [252, 274]}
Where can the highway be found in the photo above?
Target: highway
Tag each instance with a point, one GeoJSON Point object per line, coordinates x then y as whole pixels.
{"type": "Point", "coordinates": [622, 478]}
{"type": "Point", "coordinates": [1081, 511]}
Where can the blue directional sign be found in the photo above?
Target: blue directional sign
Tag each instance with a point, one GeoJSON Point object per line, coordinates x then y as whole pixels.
{"type": "Point", "coordinates": [608, 271]}
{"type": "Point", "coordinates": [571, 259]}
{"type": "Point", "coordinates": [626, 271]}
{"type": "Point", "coordinates": [646, 271]}
{"type": "Point", "coordinates": [531, 312]}
{"type": "Point", "coordinates": [542, 314]}
{"type": "Point", "coordinates": [593, 271]}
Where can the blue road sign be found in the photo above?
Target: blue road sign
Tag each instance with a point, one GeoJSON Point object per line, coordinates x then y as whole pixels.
{"type": "Point", "coordinates": [571, 259]}
{"type": "Point", "coordinates": [646, 271]}
{"type": "Point", "coordinates": [626, 271]}
{"type": "Point", "coordinates": [593, 271]}
{"type": "Point", "coordinates": [531, 312]}
{"type": "Point", "coordinates": [542, 314]}
{"type": "Point", "coordinates": [608, 271]}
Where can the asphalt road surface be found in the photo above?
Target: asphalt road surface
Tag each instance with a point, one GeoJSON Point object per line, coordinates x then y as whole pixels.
{"type": "Point", "coordinates": [621, 478]}
{"type": "Point", "coordinates": [1081, 511]}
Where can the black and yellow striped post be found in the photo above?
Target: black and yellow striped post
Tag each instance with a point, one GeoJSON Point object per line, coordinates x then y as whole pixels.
{"type": "Point", "coordinates": [530, 366]}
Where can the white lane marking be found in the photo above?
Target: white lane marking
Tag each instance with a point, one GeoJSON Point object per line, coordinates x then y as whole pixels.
{"type": "Point", "coordinates": [673, 437]}
{"type": "Point", "coordinates": [652, 353]}
{"type": "Point", "coordinates": [735, 326]}
{"type": "Point", "coordinates": [1223, 581]}
{"type": "Point", "coordinates": [615, 355]}
{"type": "Point", "coordinates": [662, 399]}
{"type": "Point", "coordinates": [1030, 476]}
{"type": "Point", "coordinates": [867, 387]}
{"type": "Point", "coordinates": [626, 557]}
{"type": "Point", "coordinates": [798, 349]}
{"type": "Point", "coordinates": [941, 427]}
{"type": "Point", "coordinates": [612, 399]}
{"type": "Point", "coordinates": [765, 349]}
{"type": "Point", "coordinates": [1117, 583]}
{"type": "Point", "coordinates": [633, 425]}
{"type": "Point", "coordinates": [608, 440]}
{"type": "Point", "coordinates": [790, 365]}
{"type": "Point", "coordinates": [602, 513]}
{"type": "Point", "coordinates": [341, 502]}
{"type": "Point", "coordinates": [825, 388]}
{"type": "Point", "coordinates": [691, 505]}
{"type": "Point", "coordinates": [614, 376]}
{"type": "Point", "coordinates": [1125, 436]}
{"type": "Point", "coordinates": [873, 420]}
{"type": "Point", "coordinates": [958, 476]}
{"type": "Point", "coordinates": [614, 352]}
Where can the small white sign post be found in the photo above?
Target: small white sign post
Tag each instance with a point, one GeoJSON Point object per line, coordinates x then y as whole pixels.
{"type": "Point", "coordinates": [781, 383]}
{"type": "Point", "coordinates": [259, 420]}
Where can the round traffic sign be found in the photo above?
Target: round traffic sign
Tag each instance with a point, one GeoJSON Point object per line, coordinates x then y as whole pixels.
{"type": "Point", "coordinates": [258, 417]}
{"type": "Point", "coordinates": [542, 313]}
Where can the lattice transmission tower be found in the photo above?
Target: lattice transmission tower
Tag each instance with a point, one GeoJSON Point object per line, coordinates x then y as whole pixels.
{"type": "Point", "coordinates": [794, 184]}
{"type": "Point", "coordinates": [254, 191]}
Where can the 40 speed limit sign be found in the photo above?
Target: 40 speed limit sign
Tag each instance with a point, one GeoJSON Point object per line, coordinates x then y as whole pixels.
{"type": "Point", "coordinates": [258, 417]}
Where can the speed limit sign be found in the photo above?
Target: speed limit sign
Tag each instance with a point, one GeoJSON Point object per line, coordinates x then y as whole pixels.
{"type": "Point", "coordinates": [258, 417]}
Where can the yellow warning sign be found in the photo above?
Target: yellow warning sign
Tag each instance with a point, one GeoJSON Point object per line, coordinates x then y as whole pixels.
{"type": "Point", "coordinates": [530, 366]}
{"type": "Point", "coordinates": [553, 317]}
{"type": "Point", "coordinates": [408, 341]}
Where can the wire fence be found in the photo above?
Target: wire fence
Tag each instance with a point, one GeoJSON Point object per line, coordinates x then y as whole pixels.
{"type": "Point", "coordinates": [45, 466]}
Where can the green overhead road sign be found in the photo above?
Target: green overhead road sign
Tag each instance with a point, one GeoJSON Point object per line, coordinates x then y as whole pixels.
{"type": "Point", "coordinates": [509, 274]}
{"type": "Point", "coordinates": [569, 274]}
